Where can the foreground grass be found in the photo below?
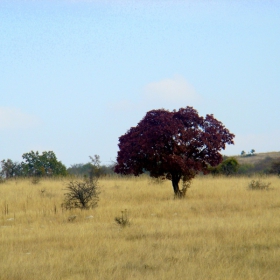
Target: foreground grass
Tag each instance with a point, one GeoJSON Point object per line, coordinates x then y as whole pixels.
{"type": "Point", "coordinates": [221, 230]}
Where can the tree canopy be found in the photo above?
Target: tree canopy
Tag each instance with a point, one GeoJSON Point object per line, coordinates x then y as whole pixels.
{"type": "Point", "coordinates": [42, 165]}
{"type": "Point", "coordinates": [34, 165]}
{"type": "Point", "coordinates": [176, 145]}
{"type": "Point", "coordinates": [10, 169]}
{"type": "Point", "coordinates": [228, 167]}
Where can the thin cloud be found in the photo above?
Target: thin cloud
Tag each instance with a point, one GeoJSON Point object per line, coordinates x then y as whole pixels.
{"type": "Point", "coordinates": [13, 118]}
{"type": "Point", "coordinates": [169, 93]}
{"type": "Point", "coordinates": [175, 89]}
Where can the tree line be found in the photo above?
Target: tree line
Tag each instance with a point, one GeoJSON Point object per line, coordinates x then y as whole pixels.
{"type": "Point", "coordinates": [47, 165]}
{"type": "Point", "coordinates": [33, 165]}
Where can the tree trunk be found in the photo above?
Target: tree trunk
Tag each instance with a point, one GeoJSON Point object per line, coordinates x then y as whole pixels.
{"type": "Point", "coordinates": [175, 183]}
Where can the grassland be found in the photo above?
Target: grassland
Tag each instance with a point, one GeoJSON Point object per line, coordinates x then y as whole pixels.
{"type": "Point", "coordinates": [257, 157]}
{"type": "Point", "coordinates": [221, 230]}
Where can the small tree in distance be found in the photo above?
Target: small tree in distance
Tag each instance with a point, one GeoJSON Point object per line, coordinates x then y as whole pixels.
{"type": "Point", "coordinates": [34, 166]}
{"type": "Point", "coordinates": [229, 166]}
{"type": "Point", "coordinates": [175, 145]}
{"type": "Point", "coordinates": [243, 153]}
{"type": "Point", "coordinates": [95, 170]}
{"type": "Point", "coordinates": [44, 165]}
{"type": "Point", "coordinates": [10, 169]}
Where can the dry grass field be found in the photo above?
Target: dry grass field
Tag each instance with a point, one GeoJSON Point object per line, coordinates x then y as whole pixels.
{"type": "Point", "coordinates": [257, 157]}
{"type": "Point", "coordinates": [221, 230]}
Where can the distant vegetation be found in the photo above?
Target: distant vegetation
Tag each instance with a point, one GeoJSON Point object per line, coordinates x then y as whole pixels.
{"type": "Point", "coordinates": [83, 170]}
{"type": "Point", "coordinates": [251, 153]}
{"type": "Point", "coordinates": [33, 165]}
{"type": "Point", "coordinates": [262, 163]}
{"type": "Point", "coordinates": [249, 164]}
{"type": "Point", "coordinates": [46, 165]}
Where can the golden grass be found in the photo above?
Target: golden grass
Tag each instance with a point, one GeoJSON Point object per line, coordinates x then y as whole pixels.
{"type": "Point", "coordinates": [221, 230]}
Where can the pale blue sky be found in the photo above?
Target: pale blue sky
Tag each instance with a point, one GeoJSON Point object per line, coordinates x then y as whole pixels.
{"type": "Point", "coordinates": [76, 75]}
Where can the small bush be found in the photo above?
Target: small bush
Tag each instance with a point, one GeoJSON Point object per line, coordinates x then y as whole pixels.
{"type": "Point", "coordinates": [123, 221]}
{"type": "Point", "coordinates": [81, 194]}
{"type": "Point", "coordinates": [258, 185]}
{"type": "Point", "coordinates": [35, 180]}
{"type": "Point", "coordinates": [84, 194]}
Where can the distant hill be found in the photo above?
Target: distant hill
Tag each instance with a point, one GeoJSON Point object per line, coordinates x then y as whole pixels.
{"type": "Point", "coordinates": [257, 157]}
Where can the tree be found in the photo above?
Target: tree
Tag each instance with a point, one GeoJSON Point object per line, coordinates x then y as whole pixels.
{"type": "Point", "coordinates": [175, 145]}
{"type": "Point", "coordinates": [229, 166]}
{"type": "Point", "coordinates": [95, 170]}
{"type": "Point", "coordinates": [10, 169]}
{"type": "Point", "coordinates": [42, 165]}
{"type": "Point", "coordinates": [243, 153]}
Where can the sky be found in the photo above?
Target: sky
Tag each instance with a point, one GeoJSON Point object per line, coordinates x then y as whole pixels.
{"type": "Point", "coordinates": [76, 75]}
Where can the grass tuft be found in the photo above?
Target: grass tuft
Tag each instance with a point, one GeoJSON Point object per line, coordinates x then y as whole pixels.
{"type": "Point", "coordinates": [123, 220]}
{"type": "Point", "coordinates": [258, 185]}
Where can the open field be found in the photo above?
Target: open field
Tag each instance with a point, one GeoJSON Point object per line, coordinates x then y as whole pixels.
{"type": "Point", "coordinates": [221, 230]}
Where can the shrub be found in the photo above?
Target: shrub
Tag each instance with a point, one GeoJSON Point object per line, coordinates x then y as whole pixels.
{"type": "Point", "coordinates": [275, 167]}
{"type": "Point", "coordinates": [35, 180]}
{"type": "Point", "coordinates": [81, 194]}
{"type": "Point", "coordinates": [258, 185]}
{"type": "Point", "coordinates": [123, 221]}
{"type": "Point", "coordinates": [84, 194]}
{"type": "Point", "coordinates": [228, 167]}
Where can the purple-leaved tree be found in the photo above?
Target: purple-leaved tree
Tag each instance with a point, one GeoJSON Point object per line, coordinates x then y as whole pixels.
{"type": "Point", "coordinates": [175, 145]}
